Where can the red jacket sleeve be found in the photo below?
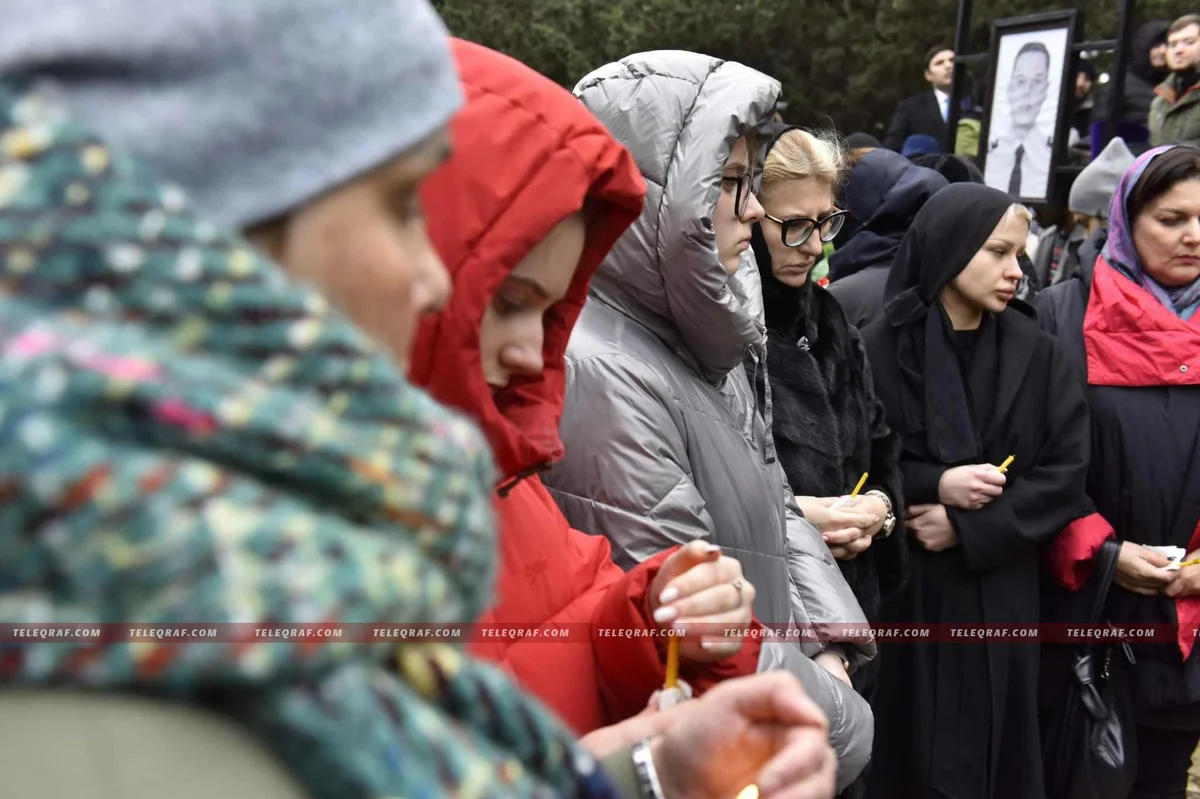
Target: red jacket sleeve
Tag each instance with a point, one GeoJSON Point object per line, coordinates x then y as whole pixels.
{"type": "Point", "coordinates": [1072, 551]}
{"type": "Point", "coordinates": [629, 665]}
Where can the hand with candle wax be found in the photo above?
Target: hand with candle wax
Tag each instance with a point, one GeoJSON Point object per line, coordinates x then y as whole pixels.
{"type": "Point", "coordinates": [1187, 581]}
{"type": "Point", "coordinates": [1142, 570]}
{"type": "Point", "coordinates": [701, 588]}
{"type": "Point", "coordinates": [971, 487]}
{"type": "Point", "coordinates": [761, 730]}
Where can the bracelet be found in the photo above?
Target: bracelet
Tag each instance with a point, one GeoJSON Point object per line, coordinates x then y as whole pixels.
{"type": "Point", "coordinates": [886, 499]}
{"type": "Point", "coordinates": [647, 775]}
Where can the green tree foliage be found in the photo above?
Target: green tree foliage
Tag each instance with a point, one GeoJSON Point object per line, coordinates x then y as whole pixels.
{"type": "Point", "coordinates": [845, 62]}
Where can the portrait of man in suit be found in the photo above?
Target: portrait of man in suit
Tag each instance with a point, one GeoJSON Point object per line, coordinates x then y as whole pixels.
{"type": "Point", "coordinates": [925, 114]}
{"type": "Point", "coordinates": [1024, 114]}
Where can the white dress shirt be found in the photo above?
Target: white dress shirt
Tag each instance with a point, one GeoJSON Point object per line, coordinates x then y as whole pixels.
{"type": "Point", "coordinates": [1035, 162]}
{"type": "Point", "coordinates": [943, 103]}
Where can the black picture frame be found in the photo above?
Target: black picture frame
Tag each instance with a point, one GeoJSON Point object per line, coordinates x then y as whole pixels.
{"type": "Point", "coordinates": [1062, 62]}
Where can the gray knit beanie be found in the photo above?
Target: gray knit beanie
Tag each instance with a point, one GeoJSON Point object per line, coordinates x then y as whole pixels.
{"type": "Point", "coordinates": [252, 106]}
{"type": "Point", "coordinates": [1093, 189]}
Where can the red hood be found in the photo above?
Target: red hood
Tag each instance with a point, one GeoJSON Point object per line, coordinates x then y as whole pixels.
{"type": "Point", "coordinates": [526, 155]}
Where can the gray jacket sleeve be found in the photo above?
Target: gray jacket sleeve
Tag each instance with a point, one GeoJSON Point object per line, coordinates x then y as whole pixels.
{"type": "Point", "coordinates": [851, 722]}
{"type": "Point", "coordinates": [820, 594]}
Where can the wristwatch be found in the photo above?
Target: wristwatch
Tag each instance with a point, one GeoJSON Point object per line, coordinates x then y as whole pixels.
{"type": "Point", "coordinates": [889, 521]}
{"type": "Point", "coordinates": [647, 775]}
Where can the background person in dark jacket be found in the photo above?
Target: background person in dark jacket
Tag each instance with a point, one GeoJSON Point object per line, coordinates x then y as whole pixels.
{"type": "Point", "coordinates": [968, 381]}
{"type": "Point", "coordinates": [1129, 326]}
{"type": "Point", "coordinates": [1147, 69]}
{"type": "Point", "coordinates": [926, 113]}
{"type": "Point", "coordinates": [883, 194]}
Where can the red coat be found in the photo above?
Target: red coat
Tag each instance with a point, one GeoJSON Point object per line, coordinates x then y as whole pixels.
{"type": "Point", "coordinates": [526, 155]}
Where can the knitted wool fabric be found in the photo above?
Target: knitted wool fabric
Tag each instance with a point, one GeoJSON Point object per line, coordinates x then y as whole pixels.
{"type": "Point", "coordinates": [188, 436]}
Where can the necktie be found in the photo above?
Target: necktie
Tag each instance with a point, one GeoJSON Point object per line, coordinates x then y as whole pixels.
{"type": "Point", "coordinates": [1014, 182]}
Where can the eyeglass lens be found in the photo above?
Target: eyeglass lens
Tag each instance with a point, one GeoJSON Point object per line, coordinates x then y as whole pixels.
{"type": "Point", "coordinates": [799, 230]}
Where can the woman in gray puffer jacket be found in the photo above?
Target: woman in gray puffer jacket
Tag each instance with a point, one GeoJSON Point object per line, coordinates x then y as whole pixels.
{"type": "Point", "coordinates": [664, 428]}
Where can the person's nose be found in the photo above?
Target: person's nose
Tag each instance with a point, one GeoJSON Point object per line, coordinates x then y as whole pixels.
{"type": "Point", "coordinates": [1013, 271]}
{"type": "Point", "coordinates": [431, 282]}
{"type": "Point", "coordinates": [754, 210]}
{"type": "Point", "coordinates": [813, 245]}
{"type": "Point", "coordinates": [522, 354]}
{"type": "Point", "coordinates": [1191, 233]}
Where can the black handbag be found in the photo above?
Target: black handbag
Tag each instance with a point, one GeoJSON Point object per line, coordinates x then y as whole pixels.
{"type": "Point", "coordinates": [1089, 748]}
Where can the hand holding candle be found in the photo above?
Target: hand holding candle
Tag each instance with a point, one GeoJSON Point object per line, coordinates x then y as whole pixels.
{"type": "Point", "coordinates": [972, 487]}
{"type": "Point", "coordinates": [697, 595]}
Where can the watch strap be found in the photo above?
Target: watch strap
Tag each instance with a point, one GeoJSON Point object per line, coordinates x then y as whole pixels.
{"type": "Point", "coordinates": [649, 786]}
{"type": "Point", "coordinates": [889, 521]}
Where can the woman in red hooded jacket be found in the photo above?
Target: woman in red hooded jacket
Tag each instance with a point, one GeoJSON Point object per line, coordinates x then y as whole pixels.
{"type": "Point", "coordinates": [536, 185]}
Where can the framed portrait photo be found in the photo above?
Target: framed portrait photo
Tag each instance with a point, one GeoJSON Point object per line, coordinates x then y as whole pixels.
{"type": "Point", "coordinates": [1028, 105]}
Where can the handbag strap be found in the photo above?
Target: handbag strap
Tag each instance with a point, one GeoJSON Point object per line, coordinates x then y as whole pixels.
{"type": "Point", "coordinates": [1106, 568]}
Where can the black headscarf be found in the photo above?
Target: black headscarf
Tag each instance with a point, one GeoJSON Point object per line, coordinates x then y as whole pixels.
{"type": "Point", "coordinates": [944, 237]}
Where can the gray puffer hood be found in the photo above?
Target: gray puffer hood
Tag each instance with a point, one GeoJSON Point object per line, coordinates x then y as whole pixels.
{"type": "Point", "coordinates": [680, 113]}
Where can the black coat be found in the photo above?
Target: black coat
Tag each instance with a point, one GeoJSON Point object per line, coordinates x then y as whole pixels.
{"type": "Point", "coordinates": [829, 427]}
{"type": "Point", "coordinates": [914, 116]}
{"type": "Point", "coordinates": [1145, 480]}
{"type": "Point", "coordinates": [961, 718]}
{"type": "Point", "coordinates": [883, 194]}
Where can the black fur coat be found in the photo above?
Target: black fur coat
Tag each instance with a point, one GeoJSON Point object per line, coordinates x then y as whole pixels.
{"type": "Point", "coordinates": [829, 425]}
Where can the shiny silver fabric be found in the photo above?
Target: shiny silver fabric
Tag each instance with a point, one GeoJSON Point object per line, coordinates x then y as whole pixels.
{"type": "Point", "coordinates": [665, 439]}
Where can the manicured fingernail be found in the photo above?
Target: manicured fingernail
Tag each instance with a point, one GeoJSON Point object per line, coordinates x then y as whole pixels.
{"type": "Point", "coordinates": [713, 549]}
{"type": "Point", "coordinates": [709, 646]}
{"type": "Point", "coordinates": [824, 538]}
{"type": "Point", "coordinates": [668, 596]}
{"type": "Point", "coordinates": [665, 614]}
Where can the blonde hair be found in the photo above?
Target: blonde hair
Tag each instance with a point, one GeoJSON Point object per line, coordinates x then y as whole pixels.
{"type": "Point", "coordinates": [1019, 211]}
{"type": "Point", "coordinates": [799, 154]}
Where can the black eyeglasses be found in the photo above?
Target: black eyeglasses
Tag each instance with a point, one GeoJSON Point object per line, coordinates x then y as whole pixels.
{"type": "Point", "coordinates": [795, 231]}
{"type": "Point", "coordinates": [741, 200]}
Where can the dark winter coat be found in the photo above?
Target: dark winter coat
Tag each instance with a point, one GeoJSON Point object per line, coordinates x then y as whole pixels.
{"type": "Point", "coordinates": [1145, 467]}
{"type": "Point", "coordinates": [828, 424]}
{"type": "Point", "coordinates": [883, 194]}
{"type": "Point", "coordinates": [960, 719]}
{"type": "Point", "coordinates": [1175, 112]}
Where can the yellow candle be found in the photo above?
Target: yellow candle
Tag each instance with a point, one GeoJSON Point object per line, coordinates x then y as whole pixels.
{"type": "Point", "coordinates": [861, 482]}
{"type": "Point", "coordinates": [672, 679]}
{"type": "Point", "coordinates": [1007, 462]}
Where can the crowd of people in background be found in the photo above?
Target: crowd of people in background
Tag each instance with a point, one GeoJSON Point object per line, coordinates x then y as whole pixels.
{"type": "Point", "coordinates": [312, 313]}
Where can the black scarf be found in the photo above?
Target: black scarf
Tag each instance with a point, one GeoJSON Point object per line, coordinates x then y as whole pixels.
{"type": "Point", "coordinates": [783, 306]}
{"type": "Point", "coordinates": [943, 239]}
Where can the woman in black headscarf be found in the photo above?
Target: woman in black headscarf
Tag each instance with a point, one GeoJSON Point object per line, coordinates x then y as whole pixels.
{"type": "Point", "coordinates": [969, 380]}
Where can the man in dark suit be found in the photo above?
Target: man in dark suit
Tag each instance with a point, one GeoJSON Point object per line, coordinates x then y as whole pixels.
{"type": "Point", "coordinates": [926, 113]}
